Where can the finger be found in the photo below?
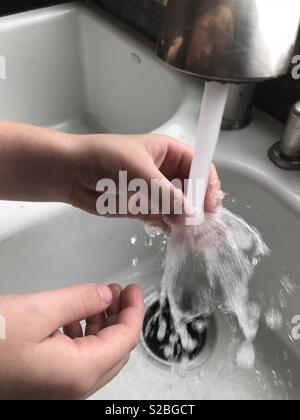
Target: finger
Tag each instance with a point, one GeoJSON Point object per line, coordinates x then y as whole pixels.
{"type": "Point", "coordinates": [115, 305]}
{"type": "Point", "coordinates": [46, 312]}
{"type": "Point", "coordinates": [172, 157]}
{"type": "Point", "coordinates": [186, 163]}
{"type": "Point", "coordinates": [94, 324]}
{"type": "Point", "coordinates": [169, 199]}
{"type": "Point", "coordinates": [177, 163]}
{"type": "Point", "coordinates": [214, 195]}
{"type": "Point", "coordinates": [112, 320]}
{"type": "Point", "coordinates": [131, 297]}
{"type": "Point", "coordinates": [73, 330]}
{"type": "Point", "coordinates": [99, 321]}
{"type": "Point", "coordinates": [56, 334]}
{"type": "Point", "coordinates": [125, 332]}
{"type": "Point", "coordinates": [114, 343]}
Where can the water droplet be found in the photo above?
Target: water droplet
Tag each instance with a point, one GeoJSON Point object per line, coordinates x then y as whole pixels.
{"type": "Point", "coordinates": [169, 352]}
{"type": "Point", "coordinates": [282, 299]}
{"type": "Point", "coordinates": [149, 242]}
{"type": "Point", "coordinates": [133, 240]}
{"type": "Point", "coordinates": [162, 264]}
{"type": "Point", "coordinates": [261, 297]}
{"type": "Point", "coordinates": [199, 326]}
{"type": "Point", "coordinates": [273, 319]}
{"type": "Point", "coordinates": [135, 262]}
{"type": "Point", "coordinates": [152, 231]}
{"type": "Point", "coordinates": [162, 330]}
{"type": "Point", "coordinates": [288, 285]}
{"type": "Point", "coordinates": [246, 356]}
{"type": "Point", "coordinates": [285, 355]}
{"type": "Point", "coordinates": [255, 262]}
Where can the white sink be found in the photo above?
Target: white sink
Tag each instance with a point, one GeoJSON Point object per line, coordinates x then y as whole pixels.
{"type": "Point", "coordinates": [76, 69]}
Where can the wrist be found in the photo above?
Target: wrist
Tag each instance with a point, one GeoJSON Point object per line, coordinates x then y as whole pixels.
{"type": "Point", "coordinates": [35, 163]}
{"type": "Point", "coordinates": [75, 151]}
{"type": "Point", "coordinates": [68, 154]}
{"type": "Point", "coordinates": [91, 158]}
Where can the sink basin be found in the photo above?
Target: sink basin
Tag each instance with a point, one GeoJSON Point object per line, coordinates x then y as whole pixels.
{"type": "Point", "coordinates": [76, 69]}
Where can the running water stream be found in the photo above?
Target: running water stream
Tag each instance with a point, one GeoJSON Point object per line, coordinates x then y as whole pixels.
{"type": "Point", "coordinates": [207, 135]}
{"type": "Point", "coordinates": [211, 260]}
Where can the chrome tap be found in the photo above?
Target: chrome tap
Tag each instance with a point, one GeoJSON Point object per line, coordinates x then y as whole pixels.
{"type": "Point", "coordinates": [286, 153]}
{"type": "Point", "coordinates": [233, 41]}
{"type": "Point", "coordinates": [230, 40]}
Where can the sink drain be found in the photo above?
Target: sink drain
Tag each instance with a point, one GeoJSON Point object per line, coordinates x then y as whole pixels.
{"type": "Point", "coordinates": [161, 342]}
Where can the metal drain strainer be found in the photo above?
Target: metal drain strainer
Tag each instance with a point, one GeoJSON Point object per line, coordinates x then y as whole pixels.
{"type": "Point", "coordinates": [163, 344]}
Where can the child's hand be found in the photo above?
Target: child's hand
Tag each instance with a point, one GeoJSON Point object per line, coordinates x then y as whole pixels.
{"type": "Point", "coordinates": [146, 157]}
{"type": "Point", "coordinates": [38, 362]}
{"type": "Point", "coordinates": [37, 164]}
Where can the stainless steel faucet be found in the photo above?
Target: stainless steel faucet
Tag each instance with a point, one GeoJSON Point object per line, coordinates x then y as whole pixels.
{"type": "Point", "coordinates": [286, 153]}
{"type": "Point", "coordinates": [230, 40]}
{"type": "Point", "coordinates": [234, 41]}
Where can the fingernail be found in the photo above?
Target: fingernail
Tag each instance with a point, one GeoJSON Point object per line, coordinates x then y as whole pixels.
{"type": "Point", "coordinates": [105, 293]}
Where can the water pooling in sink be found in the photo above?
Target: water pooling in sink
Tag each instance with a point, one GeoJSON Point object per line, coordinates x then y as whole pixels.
{"type": "Point", "coordinates": [208, 264]}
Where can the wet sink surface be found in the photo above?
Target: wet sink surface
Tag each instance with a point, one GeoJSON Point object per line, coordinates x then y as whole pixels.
{"type": "Point", "coordinates": [71, 80]}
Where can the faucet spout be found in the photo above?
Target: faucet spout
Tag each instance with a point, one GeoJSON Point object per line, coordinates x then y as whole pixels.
{"type": "Point", "coordinates": [230, 40]}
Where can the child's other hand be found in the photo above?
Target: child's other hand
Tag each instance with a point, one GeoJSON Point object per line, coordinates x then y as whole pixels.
{"type": "Point", "coordinates": [39, 362]}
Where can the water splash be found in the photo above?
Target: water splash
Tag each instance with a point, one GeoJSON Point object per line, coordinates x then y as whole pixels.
{"type": "Point", "coordinates": [152, 231]}
{"type": "Point", "coordinates": [133, 240]}
{"type": "Point", "coordinates": [149, 242]}
{"type": "Point", "coordinates": [274, 319]}
{"type": "Point", "coordinates": [210, 262]}
{"type": "Point", "coordinates": [135, 262]}
{"type": "Point", "coordinates": [210, 266]}
{"type": "Point", "coordinates": [207, 135]}
{"type": "Point", "coordinates": [289, 287]}
{"type": "Point", "coordinates": [246, 356]}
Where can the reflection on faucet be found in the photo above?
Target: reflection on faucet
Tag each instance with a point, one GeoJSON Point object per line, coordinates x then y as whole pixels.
{"type": "Point", "coordinates": [174, 48]}
{"type": "Point", "coordinates": [213, 33]}
{"type": "Point", "coordinates": [230, 40]}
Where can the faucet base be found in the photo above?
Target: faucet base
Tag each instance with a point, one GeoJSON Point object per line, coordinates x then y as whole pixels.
{"type": "Point", "coordinates": [231, 125]}
{"type": "Point", "coordinates": [282, 161]}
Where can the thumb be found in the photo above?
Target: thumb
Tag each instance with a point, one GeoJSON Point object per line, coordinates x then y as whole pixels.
{"type": "Point", "coordinates": [48, 311]}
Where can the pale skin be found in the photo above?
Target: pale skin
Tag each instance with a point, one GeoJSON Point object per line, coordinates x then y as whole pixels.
{"type": "Point", "coordinates": [36, 164]}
